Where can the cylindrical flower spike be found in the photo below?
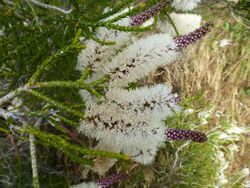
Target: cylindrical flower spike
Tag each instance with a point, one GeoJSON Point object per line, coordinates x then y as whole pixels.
{"type": "Point", "coordinates": [184, 23]}
{"type": "Point", "coordinates": [185, 40]}
{"type": "Point", "coordinates": [185, 5]}
{"type": "Point", "coordinates": [137, 126]}
{"type": "Point", "coordinates": [144, 16]}
{"type": "Point", "coordinates": [139, 59]}
{"type": "Point", "coordinates": [177, 134]}
{"type": "Point", "coordinates": [110, 180]}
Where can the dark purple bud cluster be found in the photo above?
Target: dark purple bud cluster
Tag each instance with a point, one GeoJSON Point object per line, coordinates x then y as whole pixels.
{"type": "Point", "coordinates": [141, 18]}
{"type": "Point", "coordinates": [185, 40]}
{"type": "Point", "coordinates": [176, 134]}
{"type": "Point", "coordinates": [110, 180]}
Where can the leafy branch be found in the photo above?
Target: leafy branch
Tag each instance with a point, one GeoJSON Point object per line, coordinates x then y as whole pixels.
{"type": "Point", "coordinates": [62, 144]}
{"type": "Point", "coordinates": [51, 60]}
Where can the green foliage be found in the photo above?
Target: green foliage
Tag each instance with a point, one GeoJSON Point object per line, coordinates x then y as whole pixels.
{"type": "Point", "coordinates": [13, 162]}
{"type": "Point", "coordinates": [70, 149]}
{"type": "Point", "coordinates": [38, 50]}
{"type": "Point", "coordinates": [242, 8]}
{"type": "Point", "coordinates": [198, 162]}
{"type": "Point", "coordinates": [55, 103]}
{"type": "Point", "coordinates": [195, 164]}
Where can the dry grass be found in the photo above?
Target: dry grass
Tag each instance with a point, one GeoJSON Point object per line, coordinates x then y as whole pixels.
{"type": "Point", "coordinates": [221, 73]}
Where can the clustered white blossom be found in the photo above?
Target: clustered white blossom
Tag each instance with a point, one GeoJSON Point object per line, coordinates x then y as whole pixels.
{"type": "Point", "coordinates": [141, 58]}
{"type": "Point", "coordinates": [185, 5]}
{"type": "Point", "coordinates": [184, 23]}
{"type": "Point", "coordinates": [131, 121]}
{"type": "Point", "coordinates": [96, 55]}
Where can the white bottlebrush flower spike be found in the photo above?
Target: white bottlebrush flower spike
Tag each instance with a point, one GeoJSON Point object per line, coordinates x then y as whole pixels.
{"type": "Point", "coordinates": [136, 126]}
{"type": "Point", "coordinates": [155, 102]}
{"type": "Point", "coordinates": [131, 121]}
{"type": "Point", "coordinates": [95, 55]}
{"type": "Point", "coordinates": [185, 5]}
{"type": "Point", "coordinates": [184, 23]}
{"type": "Point", "coordinates": [141, 58]}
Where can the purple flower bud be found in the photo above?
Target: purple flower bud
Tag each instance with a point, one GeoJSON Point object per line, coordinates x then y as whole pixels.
{"type": "Point", "coordinates": [141, 18]}
{"type": "Point", "coordinates": [176, 134]}
{"type": "Point", "coordinates": [192, 37]}
{"type": "Point", "coordinates": [110, 180]}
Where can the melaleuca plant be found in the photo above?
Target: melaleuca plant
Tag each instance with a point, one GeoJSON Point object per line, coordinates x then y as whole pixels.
{"type": "Point", "coordinates": [73, 69]}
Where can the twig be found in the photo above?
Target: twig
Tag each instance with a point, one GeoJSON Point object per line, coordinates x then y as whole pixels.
{"type": "Point", "coordinates": [8, 115]}
{"type": "Point", "coordinates": [12, 94]}
{"type": "Point", "coordinates": [173, 24]}
{"type": "Point", "coordinates": [8, 2]}
{"type": "Point", "coordinates": [56, 103]}
{"type": "Point", "coordinates": [51, 60]}
{"type": "Point", "coordinates": [79, 84]}
{"type": "Point", "coordinates": [177, 155]}
{"type": "Point", "coordinates": [43, 5]}
{"type": "Point", "coordinates": [35, 15]}
{"type": "Point", "coordinates": [35, 178]}
{"type": "Point", "coordinates": [238, 20]}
